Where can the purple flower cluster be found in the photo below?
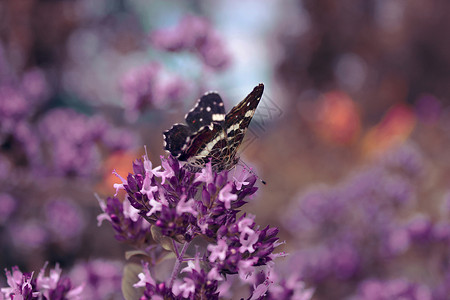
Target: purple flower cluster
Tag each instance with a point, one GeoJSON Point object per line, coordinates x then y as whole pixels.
{"type": "Point", "coordinates": [60, 221]}
{"type": "Point", "coordinates": [194, 34]}
{"type": "Point", "coordinates": [128, 225]}
{"type": "Point", "coordinates": [19, 100]}
{"type": "Point", "coordinates": [144, 87]}
{"type": "Point", "coordinates": [170, 204]}
{"type": "Point", "coordinates": [57, 142]}
{"type": "Point", "coordinates": [392, 289]}
{"type": "Point", "coordinates": [7, 206]}
{"type": "Point", "coordinates": [145, 84]}
{"type": "Point", "coordinates": [181, 208]}
{"type": "Point", "coordinates": [100, 278]}
{"type": "Point", "coordinates": [72, 140]}
{"type": "Point", "coordinates": [50, 141]}
{"type": "Point", "coordinates": [64, 220]}
{"type": "Point", "coordinates": [24, 286]}
{"type": "Point", "coordinates": [361, 228]}
{"type": "Point", "coordinates": [27, 235]}
{"type": "Point", "coordinates": [274, 286]}
{"type": "Point", "coordinates": [20, 97]}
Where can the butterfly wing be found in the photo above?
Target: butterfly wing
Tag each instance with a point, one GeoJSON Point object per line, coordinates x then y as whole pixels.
{"type": "Point", "coordinates": [238, 119]}
{"type": "Point", "coordinates": [175, 138]}
{"type": "Point", "coordinates": [181, 140]}
{"type": "Point", "coordinates": [210, 134]}
{"type": "Point", "coordinates": [209, 109]}
{"type": "Point", "coordinates": [203, 146]}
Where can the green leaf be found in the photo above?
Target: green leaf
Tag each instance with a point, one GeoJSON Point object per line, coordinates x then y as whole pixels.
{"type": "Point", "coordinates": [130, 277]}
{"type": "Point", "coordinates": [130, 254]}
{"type": "Point", "coordinates": [164, 241]}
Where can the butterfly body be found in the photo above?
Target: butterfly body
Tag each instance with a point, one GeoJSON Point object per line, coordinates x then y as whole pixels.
{"type": "Point", "coordinates": [210, 134]}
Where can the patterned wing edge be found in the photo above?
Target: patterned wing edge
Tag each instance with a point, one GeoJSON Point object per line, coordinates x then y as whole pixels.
{"type": "Point", "coordinates": [175, 138]}
{"type": "Point", "coordinates": [238, 119]}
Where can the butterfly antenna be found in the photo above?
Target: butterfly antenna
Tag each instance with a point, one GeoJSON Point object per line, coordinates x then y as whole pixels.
{"type": "Point", "coordinates": [251, 171]}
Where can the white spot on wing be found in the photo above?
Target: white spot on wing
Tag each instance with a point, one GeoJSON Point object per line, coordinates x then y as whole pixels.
{"type": "Point", "coordinates": [186, 143]}
{"type": "Point", "coordinates": [208, 108]}
{"type": "Point", "coordinates": [249, 113]}
{"type": "Point", "coordinates": [233, 127]}
{"type": "Point", "coordinates": [218, 117]}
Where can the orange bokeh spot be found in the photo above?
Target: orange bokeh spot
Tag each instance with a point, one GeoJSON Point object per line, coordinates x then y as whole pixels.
{"type": "Point", "coordinates": [395, 127]}
{"type": "Point", "coordinates": [120, 161]}
{"type": "Point", "coordinates": [337, 119]}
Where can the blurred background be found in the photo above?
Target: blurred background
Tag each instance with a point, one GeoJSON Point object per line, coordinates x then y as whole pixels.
{"type": "Point", "coordinates": [352, 135]}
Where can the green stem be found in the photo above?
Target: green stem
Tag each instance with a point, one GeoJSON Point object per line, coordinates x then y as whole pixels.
{"type": "Point", "coordinates": [177, 266]}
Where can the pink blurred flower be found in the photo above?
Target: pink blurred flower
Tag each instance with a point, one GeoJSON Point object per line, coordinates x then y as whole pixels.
{"type": "Point", "coordinates": [196, 35]}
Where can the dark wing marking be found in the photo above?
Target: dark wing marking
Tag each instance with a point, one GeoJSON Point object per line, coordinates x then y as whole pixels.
{"type": "Point", "coordinates": [198, 144]}
{"type": "Point", "coordinates": [175, 138]}
{"type": "Point", "coordinates": [209, 109]}
{"type": "Point", "coordinates": [238, 119]}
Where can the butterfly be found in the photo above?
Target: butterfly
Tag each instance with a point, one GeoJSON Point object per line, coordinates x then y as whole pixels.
{"type": "Point", "coordinates": [210, 134]}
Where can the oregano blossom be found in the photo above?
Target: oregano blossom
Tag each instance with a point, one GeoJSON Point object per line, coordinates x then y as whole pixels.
{"type": "Point", "coordinates": [178, 210]}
